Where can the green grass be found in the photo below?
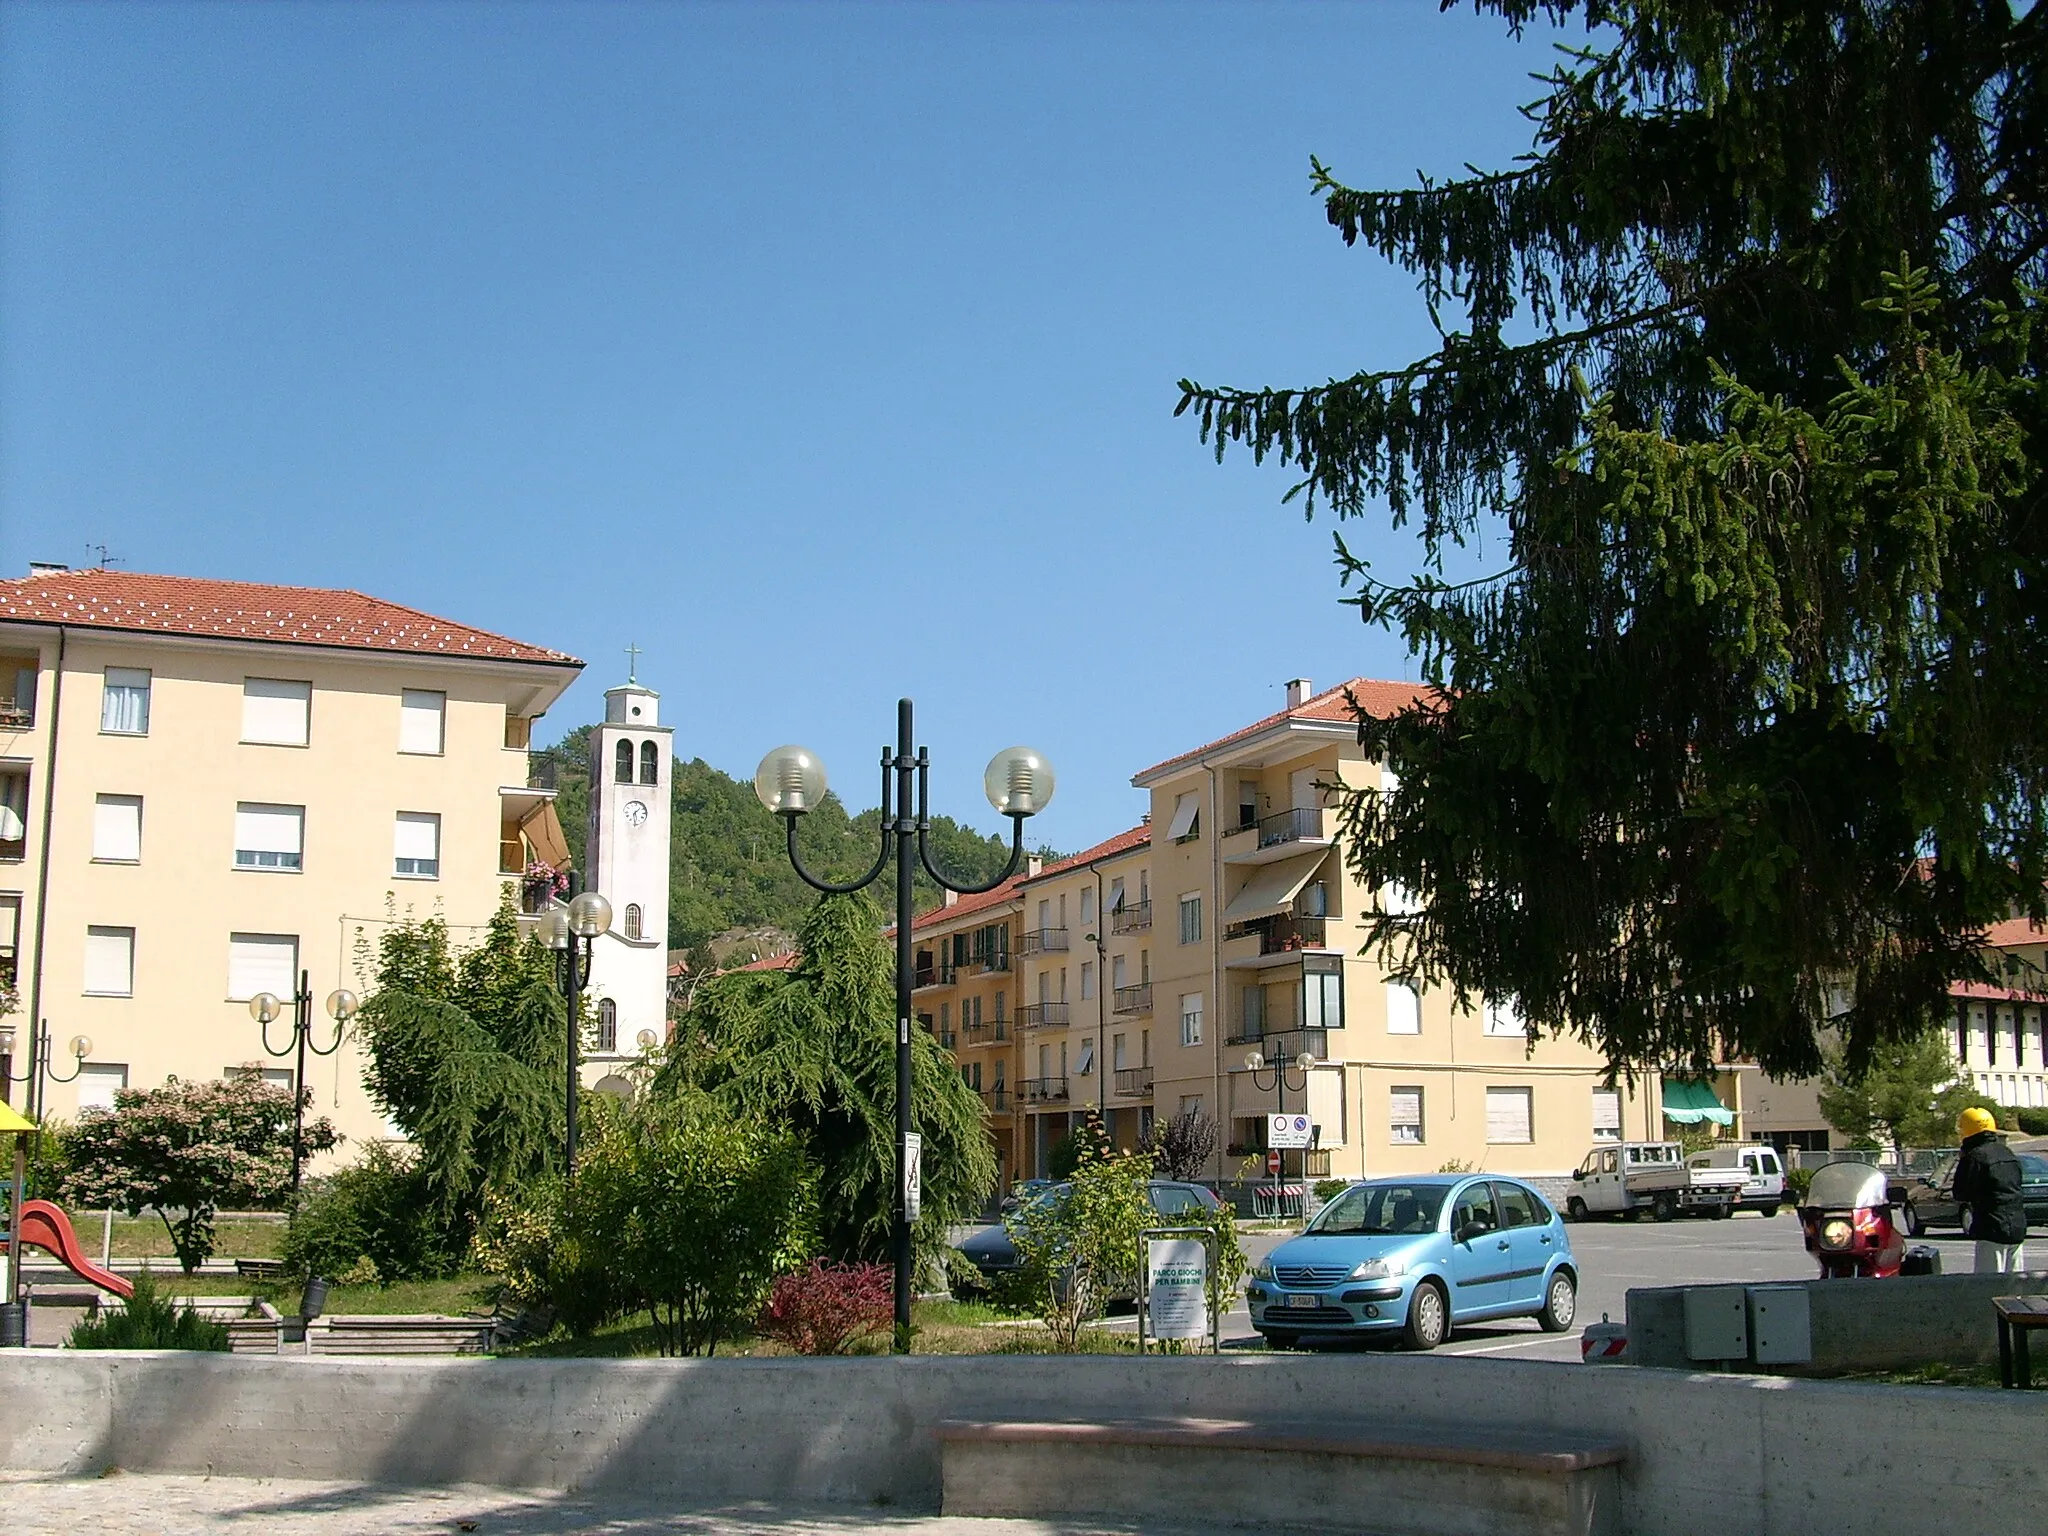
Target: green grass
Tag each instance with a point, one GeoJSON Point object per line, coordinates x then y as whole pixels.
{"type": "Point", "coordinates": [144, 1237]}
{"type": "Point", "coordinates": [453, 1297]}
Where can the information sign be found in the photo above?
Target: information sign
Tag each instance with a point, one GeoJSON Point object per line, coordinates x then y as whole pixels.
{"type": "Point", "coordinates": [1177, 1283]}
{"type": "Point", "coordinates": [913, 1176]}
{"type": "Point", "coordinates": [1288, 1130]}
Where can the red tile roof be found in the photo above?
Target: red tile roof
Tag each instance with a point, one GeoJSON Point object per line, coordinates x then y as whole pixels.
{"type": "Point", "coordinates": [1377, 698]}
{"type": "Point", "coordinates": [2015, 931]}
{"type": "Point", "coordinates": [781, 962]}
{"type": "Point", "coordinates": [1123, 842]}
{"type": "Point", "coordinates": [1982, 992]}
{"type": "Point", "coordinates": [966, 906]}
{"type": "Point", "coordinates": [241, 610]}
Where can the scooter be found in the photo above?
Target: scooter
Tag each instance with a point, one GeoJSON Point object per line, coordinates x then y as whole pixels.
{"type": "Point", "coordinates": [1847, 1219]}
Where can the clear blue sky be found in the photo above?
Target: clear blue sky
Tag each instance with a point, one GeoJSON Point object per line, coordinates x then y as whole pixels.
{"type": "Point", "coordinates": [825, 352]}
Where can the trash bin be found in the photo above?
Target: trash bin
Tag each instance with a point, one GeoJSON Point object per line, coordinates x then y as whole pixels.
{"type": "Point", "coordinates": [1921, 1259]}
{"type": "Point", "coordinates": [13, 1325]}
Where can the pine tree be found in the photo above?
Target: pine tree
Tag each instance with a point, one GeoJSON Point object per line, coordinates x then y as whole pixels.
{"type": "Point", "coordinates": [1752, 720]}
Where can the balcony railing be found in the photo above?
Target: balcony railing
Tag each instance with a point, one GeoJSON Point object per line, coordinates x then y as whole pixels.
{"type": "Point", "coordinates": [543, 771]}
{"type": "Point", "coordinates": [1044, 1016]}
{"type": "Point", "coordinates": [1290, 826]}
{"type": "Point", "coordinates": [1136, 999]}
{"type": "Point", "coordinates": [997, 1099]}
{"type": "Point", "coordinates": [1045, 1090]}
{"type": "Point", "coordinates": [1045, 941]}
{"type": "Point", "coordinates": [999, 960]}
{"type": "Point", "coordinates": [997, 1028]}
{"type": "Point", "coordinates": [537, 893]}
{"type": "Point", "coordinates": [941, 975]}
{"type": "Point", "coordinates": [1133, 917]}
{"type": "Point", "coordinates": [1278, 1045]}
{"type": "Point", "coordinates": [1278, 935]}
{"type": "Point", "coordinates": [1133, 1082]}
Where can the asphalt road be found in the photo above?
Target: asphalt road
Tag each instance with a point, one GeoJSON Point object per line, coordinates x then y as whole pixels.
{"type": "Point", "coordinates": [1613, 1258]}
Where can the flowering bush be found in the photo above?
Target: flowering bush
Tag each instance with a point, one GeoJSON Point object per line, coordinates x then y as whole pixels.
{"type": "Point", "coordinates": [828, 1308]}
{"type": "Point", "coordinates": [189, 1148]}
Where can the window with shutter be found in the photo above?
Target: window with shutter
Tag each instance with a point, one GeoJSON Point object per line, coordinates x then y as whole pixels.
{"type": "Point", "coordinates": [650, 763]}
{"type": "Point", "coordinates": [622, 763]}
{"type": "Point", "coordinates": [1606, 1115]}
{"type": "Point", "coordinates": [1508, 1118]}
{"type": "Point", "coordinates": [262, 962]}
{"type": "Point", "coordinates": [98, 1082]}
{"type": "Point", "coordinates": [422, 720]}
{"type": "Point", "coordinates": [417, 846]}
{"type": "Point", "coordinates": [117, 829]}
{"type": "Point", "coordinates": [1187, 817]}
{"type": "Point", "coordinates": [270, 836]}
{"type": "Point", "coordinates": [1404, 1115]}
{"type": "Point", "coordinates": [276, 713]}
{"type": "Point", "coordinates": [124, 703]}
{"type": "Point", "coordinates": [1404, 1010]}
{"type": "Point", "coordinates": [110, 962]}
{"type": "Point", "coordinates": [1504, 1018]}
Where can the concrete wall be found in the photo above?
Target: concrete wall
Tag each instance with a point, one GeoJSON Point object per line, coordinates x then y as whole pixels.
{"type": "Point", "coordinates": [1711, 1455]}
{"type": "Point", "coordinates": [1888, 1325]}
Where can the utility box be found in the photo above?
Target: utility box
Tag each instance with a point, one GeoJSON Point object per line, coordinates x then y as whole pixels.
{"type": "Point", "coordinates": [1716, 1323]}
{"type": "Point", "coordinates": [1781, 1324]}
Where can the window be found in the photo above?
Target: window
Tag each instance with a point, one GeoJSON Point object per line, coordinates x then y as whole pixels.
{"type": "Point", "coordinates": [1084, 1063]}
{"type": "Point", "coordinates": [1191, 919]}
{"type": "Point", "coordinates": [1322, 996]}
{"type": "Point", "coordinates": [124, 702]}
{"type": "Point", "coordinates": [1116, 1053]}
{"type": "Point", "coordinates": [1254, 1013]}
{"type": "Point", "coordinates": [13, 810]}
{"type": "Point", "coordinates": [98, 1082]}
{"type": "Point", "coordinates": [110, 962]}
{"type": "Point", "coordinates": [1404, 1116]}
{"type": "Point", "coordinates": [650, 763]}
{"type": "Point", "coordinates": [276, 713]}
{"type": "Point", "coordinates": [18, 708]}
{"type": "Point", "coordinates": [10, 943]}
{"type": "Point", "coordinates": [607, 1024]}
{"type": "Point", "coordinates": [417, 845]}
{"type": "Point", "coordinates": [422, 721]}
{"type": "Point", "coordinates": [1247, 802]}
{"type": "Point", "coordinates": [262, 962]}
{"type": "Point", "coordinates": [1508, 1118]}
{"type": "Point", "coordinates": [1087, 906]}
{"type": "Point", "coordinates": [1475, 1208]}
{"type": "Point", "coordinates": [632, 919]}
{"type": "Point", "coordinates": [1087, 980]}
{"type": "Point", "coordinates": [1606, 1114]}
{"type": "Point", "coordinates": [518, 732]}
{"type": "Point", "coordinates": [1187, 818]}
{"type": "Point", "coordinates": [622, 763]}
{"type": "Point", "coordinates": [117, 829]}
{"type": "Point", "coordinates": [1191, 1018]}
{"type": "Point", "coordinates": [270, 836]}
{"type": "Point", "coordinates": [1502, 1017]}
{"type": "Point", "coordinates": [1191, 1104]}
{"type": "Point", "coordinates": [1404, 1009]}
{"type": "Point", "coordinates": [1519, 1207]}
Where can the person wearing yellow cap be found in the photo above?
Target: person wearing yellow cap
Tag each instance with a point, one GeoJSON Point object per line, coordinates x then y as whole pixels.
{"type": "Point", "coordinates": [1987, 1187]}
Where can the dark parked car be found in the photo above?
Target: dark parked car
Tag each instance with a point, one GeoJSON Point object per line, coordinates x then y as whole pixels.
{"type": "Point", "coordinates": [992, 1252]}
{"type": "Point", "coordinates": [1930, 1199]}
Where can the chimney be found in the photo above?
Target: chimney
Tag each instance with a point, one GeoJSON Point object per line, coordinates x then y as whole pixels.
{"type": "Point", "coordinates": [1299, 691]}
{"type": "Point", "coordinates": [1146, 819]}
{"type": "Point", "coordinates": [1034, 866]}
{"type": "Point", "coordinates": [46, 568]}
{"type": "Point", "coordinates": [952, 896]}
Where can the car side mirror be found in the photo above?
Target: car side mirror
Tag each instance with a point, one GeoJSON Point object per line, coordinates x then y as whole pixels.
{"type": "Point", "coordinates": [1470, 1230]}
{"type": "Point", "coordinates": [1578, 1173]}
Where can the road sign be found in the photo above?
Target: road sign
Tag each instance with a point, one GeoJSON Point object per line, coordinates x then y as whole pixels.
{"type": "Point", "coordinates": [1176, 1281]}
{"type": "Point", "coordinates": [913, 1175]}
{"type": "Point", "coordinates": [1272, 1162]}
{"type": "Point", "coordinates": [1288, 1130]}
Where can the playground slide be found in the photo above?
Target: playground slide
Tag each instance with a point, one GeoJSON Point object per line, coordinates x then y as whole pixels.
{"type": "Point", "coordinates": [44, 1226]}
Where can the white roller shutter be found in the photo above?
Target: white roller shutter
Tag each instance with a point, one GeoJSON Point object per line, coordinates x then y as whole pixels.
{"type": "Point", "coordinates": [421, 714]}
{"type": "Point", "coordinates": [270, 836]}
{"type": "Point", "coordinates": [1404, 1010]}
{"type": "Point", "coordinates": [262, 962]}
{"type": "Point", "coordinates": [117, 828]}
{"type": "Point", "coordinates": [1606, 1114]}
{"type": "Point", "coordinates": [1508, 1118]}
{"type": "Point", "coordinates": [275, 712]}
{"type": "Point", "coordinates": [416, 843]}
{"type": "Point", "coordinates": [110, 962]}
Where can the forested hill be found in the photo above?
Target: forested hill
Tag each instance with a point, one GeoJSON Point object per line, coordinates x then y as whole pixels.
{"type": "Point", "coordinates": [727, 864]}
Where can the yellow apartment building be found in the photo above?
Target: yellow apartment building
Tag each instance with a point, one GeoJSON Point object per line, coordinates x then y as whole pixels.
{"type": "Point", "coordinates": [209, 787]}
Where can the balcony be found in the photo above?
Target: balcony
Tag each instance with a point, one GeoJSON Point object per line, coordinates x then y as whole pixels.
{"type": "Point", "coordinates": [1044, 1090]}
{"type": "Point", "coordinates": [1279, 939]}
{"type": "Point", "coordinates": [1132, 918]}
{"type": "Point", "coordinates": [1279, 836]}
{"type": "Point", "coordinates": [1282, 1044]}
{"type": "Point", "coordinates": [941, 975]}
{"type": "Point", "coordinates": [544, 771]}
{"type": "Point", "coordinates": [1045, 941]}
{"type": "Point", "coordinates": [1044, 1016]}
{"type": "Point", "coordinates": [988, 1031]}
{"type": "Point", "coordinates": [1134, 1082]}
{"type": "Point", "coordinates": [997, 1099]}
{"type": "Point", "coordinates": [1136, 999]}
{"type": "Point", "coordinates": [997, 961]}
{"type": "Point", "coordinates": [18, 673]}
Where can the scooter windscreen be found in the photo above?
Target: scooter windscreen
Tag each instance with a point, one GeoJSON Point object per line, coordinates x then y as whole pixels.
{"type": "Point", "coordinates": [1847, 1187]}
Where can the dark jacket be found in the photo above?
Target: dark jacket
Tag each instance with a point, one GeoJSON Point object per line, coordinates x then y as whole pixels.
{"type": "Point", "coordinates": [1988, 1187]}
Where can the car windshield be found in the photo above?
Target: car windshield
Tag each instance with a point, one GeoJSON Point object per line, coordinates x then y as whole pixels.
{"type": "Point", "coordinates": [2033, 1169]}
{"type": "Point", "coordinates": [1380, 1210]}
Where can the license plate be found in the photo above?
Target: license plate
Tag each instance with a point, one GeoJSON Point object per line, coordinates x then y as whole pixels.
{"type": "Point", "coordinates": [1304, 1301]}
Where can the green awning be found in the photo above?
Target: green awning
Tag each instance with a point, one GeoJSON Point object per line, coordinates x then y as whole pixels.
{"type": "Point", "coordinates": [1688, 1103]}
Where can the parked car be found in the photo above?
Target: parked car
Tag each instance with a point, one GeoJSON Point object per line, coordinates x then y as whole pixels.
{"type": "Point", "coordinates": [1637, 1178]}
{"type": "Point", "coordinates": [1930, 1199]}
{"type": "Point", "coordinates": [1763, 1187]}
{"type": "Point", "coordinates": [991, 1251]}
{"type": "Point", "coordinates": [1025, 1190]}
{"type": "Point", "coordinates": [1418, 1256]}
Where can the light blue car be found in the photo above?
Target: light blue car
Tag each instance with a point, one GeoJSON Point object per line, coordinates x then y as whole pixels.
{"type": "Point", "coordinates": [1419, 1255]}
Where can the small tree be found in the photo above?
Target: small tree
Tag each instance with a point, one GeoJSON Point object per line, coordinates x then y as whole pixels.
{"type": "Point", "coordinates": [1079, 1243]}
{"type": "Point", "coordinates": [189, 1148]}
{"type": "Point", "coordinates": [1180, 1148]}
{"type": "Point", "coordinates": [1909, 1093]}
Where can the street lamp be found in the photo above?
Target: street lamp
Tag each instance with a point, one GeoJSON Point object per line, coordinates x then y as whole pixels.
{"type": "Point", "coordinates": [1255, 1063]}
{"type": "Point", "coordinates": [571, 931]}
{"type": "Point", "coordinates": [40, 1071]}
{"type": "Point", "coordinates": [265, 1008]}
{"type": "Point", "coordinates": [790, 783]}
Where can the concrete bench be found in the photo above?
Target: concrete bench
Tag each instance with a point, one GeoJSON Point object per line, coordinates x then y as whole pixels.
{"type": "Point", "coordinates": [1407, 1480]}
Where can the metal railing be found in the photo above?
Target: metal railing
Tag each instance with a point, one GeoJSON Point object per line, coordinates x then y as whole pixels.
{"type": "Point", "coordinates": [1045, 1090]}
{"type": "Point", "coordinates": [997, 1099]}
{"type": "Point", "coordinates": [543, 771]}
{"type": "Point", "coordinates": [942, 975]}
{"type": "Point", "coordinates": [1133, 1082]}
{"type": "Point", "coordinates": [1278, 935]}
{"type": "Point", "coordinates": [1044, 1016]}
{"type": "Point", "coordinates": [1045, 941]}
{"type": "Point", "coordinates": [1286, 1044]}
{"type": "Point", "coordinates": [1132, 917]}
{"type": "Point", "coordinates": [1136, 999]}
{"type": "Point", "coordinates": [1290, 826]}
{"type": "Point", "coordinates": [997, 961]}
{"type": "Point", "coordinates": [997, 1028]}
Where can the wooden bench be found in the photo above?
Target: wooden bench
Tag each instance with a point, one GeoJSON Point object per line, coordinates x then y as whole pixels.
{"type": "Point", "coordinates": [1394, 1480]}
{"type": "Point", "coordinates": [2018, 1316]}
{"type": "Point", "coordinates": [400, 1334]}
{"type": "Point", "coordinates": [260, 1269]}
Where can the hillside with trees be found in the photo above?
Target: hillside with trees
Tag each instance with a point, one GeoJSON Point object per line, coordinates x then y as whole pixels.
{"type": "Point", "coordinates": [727, 864]}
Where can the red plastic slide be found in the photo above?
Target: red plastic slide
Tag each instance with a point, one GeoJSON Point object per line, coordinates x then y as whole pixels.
{"type": "Point", "coordinates": [44, 1226]}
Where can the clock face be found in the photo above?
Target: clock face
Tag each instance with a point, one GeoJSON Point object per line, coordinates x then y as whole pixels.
{"type": "Point", "coordinates": [636, 812]}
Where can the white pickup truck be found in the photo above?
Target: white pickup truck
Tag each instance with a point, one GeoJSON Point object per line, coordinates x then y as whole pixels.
{"type": "Point", "coordinates": [1633, 1177]}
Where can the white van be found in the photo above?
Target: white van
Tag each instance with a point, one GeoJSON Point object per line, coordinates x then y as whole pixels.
{"type": "Point", "coordinates": [1764, 1189]}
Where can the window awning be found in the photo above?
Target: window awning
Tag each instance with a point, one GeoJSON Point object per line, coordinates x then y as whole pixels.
{"type": "Point", "coordinates": [1185, 809]}
{"type": "Point", "coordinates": [1690, 1102]}
{"type": "Point", "coordinates": [1273, 887]}
{"type": "Point", "coordinates": [543, 830]}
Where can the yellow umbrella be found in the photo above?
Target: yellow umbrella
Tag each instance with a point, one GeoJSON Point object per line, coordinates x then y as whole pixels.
{"type": "Point", "coordinates": [13, 1121]}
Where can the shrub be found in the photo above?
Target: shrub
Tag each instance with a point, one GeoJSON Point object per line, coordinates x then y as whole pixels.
{"type": "Point", "coordinates": [1181, 1147]}
{"type": "Point", "coordinates": [1080, 1244]}
{"type": "Point", "coordinates": [1329, 1189]}
{"type": "Point", "coordinates": [826, 1309]}
{"type": "Point", "coordinates": [149, 1320]}
{"type": "Point", "coordinates": [1797, 1182]}
{"type": "Point", "coordinates": [382, 1209]}
{"type": "Point", "coordinates": [2034, 1122]}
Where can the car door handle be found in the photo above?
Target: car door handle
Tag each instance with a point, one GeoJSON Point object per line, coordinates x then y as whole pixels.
{"type": "Point", "coordinates": [1545, 1239]}
{"type": "Point", "coordinates": [1502, 1245]}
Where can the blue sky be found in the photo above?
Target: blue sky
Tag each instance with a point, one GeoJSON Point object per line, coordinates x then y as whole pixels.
{"type": "Point", "coordinates": [827, 353]}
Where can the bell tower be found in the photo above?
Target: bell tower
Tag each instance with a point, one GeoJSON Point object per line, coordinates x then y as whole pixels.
{"type": "Point", "coordinates": [631, 758]}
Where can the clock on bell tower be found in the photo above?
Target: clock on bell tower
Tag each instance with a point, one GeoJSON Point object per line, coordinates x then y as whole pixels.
{"type": "Point", "coordinates": [631, 758]}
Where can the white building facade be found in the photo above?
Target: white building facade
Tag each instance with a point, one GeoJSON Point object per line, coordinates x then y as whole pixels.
{"type": "Point", "coordinates": [631, 759]}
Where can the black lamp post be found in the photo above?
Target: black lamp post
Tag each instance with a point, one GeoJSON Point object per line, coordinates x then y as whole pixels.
{"type": "Point", "coordinates": [265, 1008]}
{"type": "Point", "coordinates": [571, 931]}
{"type": "Point", "coordinates": [1019, 783]}
{"type": "Point", "coordinates": [40, 1072]}
{"type": "Point", "coordinates": [1260, 1069]}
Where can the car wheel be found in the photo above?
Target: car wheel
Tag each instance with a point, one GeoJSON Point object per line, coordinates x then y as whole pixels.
{"type": "Point", "coordinates": [1560, 1303]}
{"type": "Point", "coordinates": [1723, 1212]}
{"type": "Point", "coordinates": [1665, 1208]}
{"type": "Point", "coordinates": [1429, 1317]}
{"type": "Point", "coordinates": [1915, 1227]}
{"type": "Point", "coordinates": [1767, 1211]}
{"type": "Point", "coordinates": [1282, 1340]}
{"type": "Point", "coordinates": [1575, 1209]}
